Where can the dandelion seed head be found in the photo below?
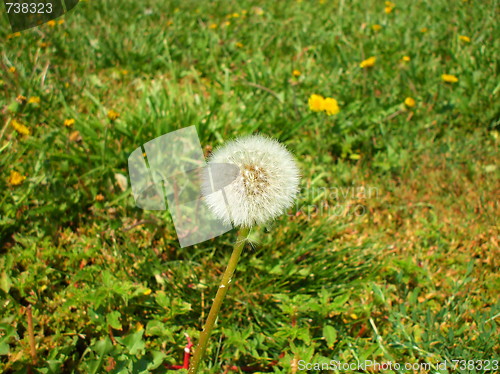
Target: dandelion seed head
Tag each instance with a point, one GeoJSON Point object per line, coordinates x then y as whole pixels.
{"type": "Point", "coordinates": [266, 185]}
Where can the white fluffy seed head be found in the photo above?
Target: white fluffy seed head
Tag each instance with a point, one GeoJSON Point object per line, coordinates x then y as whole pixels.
{"type": "Point", "coordinates": [265, 187]}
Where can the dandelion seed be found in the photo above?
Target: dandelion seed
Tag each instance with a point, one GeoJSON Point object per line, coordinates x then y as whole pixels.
{"type": "Point", "coordinates": [368, 63]}
{"type": "Point", "coordinates": [265, 187]}
{"type": "Point", "coordinates": [15, 178]}
{"type": "Point", "coordinates": [448, 78]}
{"type": "Point", "coordinates": [409, 102]}
{"type": "Point", "coordinates": [316, 103]}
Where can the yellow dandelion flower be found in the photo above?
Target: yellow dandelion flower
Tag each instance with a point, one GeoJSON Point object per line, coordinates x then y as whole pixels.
{"type": "Point", "coordinates": [390, 4]}
{"type": "Point", "coordinates": [409, 102]}
{"type": "Point", "coordinates": [244, 11]}
{"type": "Point", "coordinates": [20, 128]}
{"type": "Point", "coordinates": [406, 59]}
{"type": "Point", "coordinates": [99, 197]}
{"type": "Point", "coordinates": [448, 78]}
{"type": "Point", "coordinates": [21, 99]}
{"type": "Point", "coordinates": [316, 103]}
{"type": "Point", "coordinates": [44, 44]}
{"type": "Point", "coordinates": [296, 73]}
{"type": "Point", "coordinates": [239, 45]}
{"type": "Point", "coordinates": [368, 63]}
{"type": "Point", "coordinates": [235, 15]}
{"type": "Point", "coordinates": [464, 38]}
{"type": "Point", "coordinates": [15, 178]}
{"type": "Point", "coordinates": [423, 30]}
{"type": "Point", "coordinates": [227, 23]}
{"type": "Point", "coordinates": [330, 106]}
{"type": "Point", "coordinates": [147, 291]}
{"type": "Point", "coordinates": [212, 26]}
{"type": "Point", "coordinates": [259, 11]}
{"type": "Point", "coordinates": [34, 100]}
{"type": "Point", "coordinates": [388, 9]}
{"type": "Point", "coordinates": [112, 115]}
{"type": "Point", "coordinates": [69, 122]}
{"type": "Point", "coordinates": [51, 23]}
{"type": "Point", "coordinates": [376, 27]}
{"type": "Point", "coordinates": [15, 35]}
{"type": "Point", "coordinates": [12, 69]}
{"type": "Point", "coordinates": [60, 22]}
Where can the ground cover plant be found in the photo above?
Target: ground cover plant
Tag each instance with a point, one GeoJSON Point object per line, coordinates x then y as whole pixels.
{"type": "Point", "coordinates": [390, 253]}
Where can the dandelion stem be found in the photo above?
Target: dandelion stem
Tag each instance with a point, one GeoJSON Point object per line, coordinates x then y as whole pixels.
{"type": "Point", "coordinates": [219, 298]}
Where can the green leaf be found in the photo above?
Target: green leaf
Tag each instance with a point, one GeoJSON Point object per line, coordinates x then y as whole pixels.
{"type": "Point", "coordinates": [113, 320]}
{"type": "Point", "coordinates": [330, 335]}
{"type": "Point", "coordinates": [133, 342]}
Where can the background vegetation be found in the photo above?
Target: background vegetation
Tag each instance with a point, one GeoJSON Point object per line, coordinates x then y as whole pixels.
{"type": "Point", "coordinates": [391, 253]}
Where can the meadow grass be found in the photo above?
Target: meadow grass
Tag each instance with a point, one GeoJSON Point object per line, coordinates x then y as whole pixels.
{"type": "Point", "coordinates": [390, 254]}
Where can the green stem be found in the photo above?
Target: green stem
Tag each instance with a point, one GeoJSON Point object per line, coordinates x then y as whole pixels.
{"type": "Point", "coordinates": [219, 298]}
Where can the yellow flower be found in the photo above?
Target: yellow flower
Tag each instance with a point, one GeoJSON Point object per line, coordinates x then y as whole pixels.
{"type": "Point", "coordinates": [235, 15]}
{"type": "Point", "coordinates": [227, 23]}
{"type": "Point", "coordinates": [448, 78]}
{"type": "Point", "coordinates": [388, 9]}
{"type": "Point", "coordinates": [69, 122]}
{"type": "Point", "coordinates": [44, 45]}
{"type": "Point", "coordinates": [21, 99]}
{"type": "Point", "coordinates": [213, 26]}
{"type": "Point", "coordinates": [316, 103]}
{"type": "Point", "coordinates": [60, 22]}
{"type": "Point", "coordinates": [51, 23]}
{"type": "Point", "coordinates": [409, 102]}
{"type": "Point", "coordinates": [20, 128]}
{"type": "Point", "coordinates": [368, 63]}
{"type": "Point", "coordinates": [12, 69]}
{"type": "Point", "coordinates": [34, 100]}
{"type": "Point", "coordinates": [406, 59]}
{"type": "Point", "coordinates": [239, 45]}
{"type": "Point", "coordinates": [258, 11]}
{"type": "Point", "coordinates": [15, 178]}
{"type": "Point", "coordinates": [376, 27]}
{"type": "Point", "coordinates": [464, 38]}
{"type": "Point", "coordinates": [112, 115]}
{"type": "Point", "coordinates": [423, 30]}
{"type": "Point", "coordinates": [15, 35]}
{"type": "Point", "coordinates": [147, 291]}
{"type": "Point", "coordinates": [390, 4]}
{"type": "Point", "coordinates": [330, 106]}
{"type": "Point", "coordinates": [296, 73]}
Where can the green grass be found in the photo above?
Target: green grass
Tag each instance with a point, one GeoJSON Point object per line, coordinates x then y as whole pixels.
{"type": "Point", "coordinates": [403, 271]}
